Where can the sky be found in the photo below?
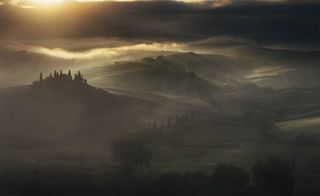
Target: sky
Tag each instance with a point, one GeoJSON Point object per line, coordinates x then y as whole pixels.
{"type": "Point", "coordinates": [290, 22]}
{"type": "Point", "coordinates": [116, 29]}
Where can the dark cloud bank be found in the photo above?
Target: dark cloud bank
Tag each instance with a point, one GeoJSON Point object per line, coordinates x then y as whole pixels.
{"type": "Point", "coordinates": [287, 23]}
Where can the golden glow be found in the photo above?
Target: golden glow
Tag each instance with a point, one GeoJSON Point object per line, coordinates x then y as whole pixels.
{"type": "Point", "coordinates": [35, 3]}
{"type": "Point", "coordinates": [46, 2]}
{"type": "Point", "coordinates": [106, 52]}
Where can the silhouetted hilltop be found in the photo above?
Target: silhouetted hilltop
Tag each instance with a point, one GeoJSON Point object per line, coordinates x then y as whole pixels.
{"type": "Point", "coordinates": [180, 73]}
{"type": "Point", "coordinates": [64, 87]}
{"type": "Point", "coordinates": [263, 67]}
{"type": "Point", "coordinates": [64, 109]}
{"type": "Point", "coordinates": [153, 75]}
{"type": "Point", "coordinates": [60, 78]}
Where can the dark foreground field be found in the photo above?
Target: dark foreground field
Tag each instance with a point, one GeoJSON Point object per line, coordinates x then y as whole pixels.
{"type": "Point", "coordinates": [182, 170]}
{"type": "Point", "coordinates": [225, 179]}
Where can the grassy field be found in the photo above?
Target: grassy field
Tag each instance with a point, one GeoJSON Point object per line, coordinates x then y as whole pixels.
{"type": "Point", "coordinates": [188, 159]}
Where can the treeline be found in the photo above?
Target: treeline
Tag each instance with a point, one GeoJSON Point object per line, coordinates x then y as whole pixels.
{"type": "Point", "coordinates": [173, 122]}
{"type": "Point", "coordinates": [167, 131]}
{"type": "Point", "coordinates": [131, 174]}
{"type": "Point", "coordinates": [272, 176]}
{"type": "Point", "coordinates": [307, 139]}
{"type": "Point", "coordinates": [60, 77]}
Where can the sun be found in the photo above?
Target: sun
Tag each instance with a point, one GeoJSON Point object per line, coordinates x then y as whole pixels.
{"type": "Point", "coordinates": [46, 2]}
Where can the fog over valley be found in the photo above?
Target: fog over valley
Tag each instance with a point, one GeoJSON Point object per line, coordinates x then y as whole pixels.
{"type": "Point", "coordinates": [151, 97]}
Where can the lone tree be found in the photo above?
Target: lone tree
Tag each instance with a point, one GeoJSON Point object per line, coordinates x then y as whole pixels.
{"type": "Point", "coordinates": [230, 179]}
{"type": "Point", "coordinates": [69, 75]}
{"type": "Point", "coordinates": [274, 176]}
{"type": "Point", "coordinates": [130, 154]}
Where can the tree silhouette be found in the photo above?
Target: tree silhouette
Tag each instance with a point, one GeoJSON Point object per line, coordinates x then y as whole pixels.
{"type": "Point", "coordinates": [229, 178]}
{"type": "Point", "coordinates": [274, 176]}
{"type": "Point", "coordinates": [69, 74]}
{"type": "Point", "coordinates": [41, 77]}
{"type": "Point", "coordinates": [60, 78]}
{"type": "Point", "coordinates": [55, 75]}
{"type": "Point", "coordinates": [130, 154]}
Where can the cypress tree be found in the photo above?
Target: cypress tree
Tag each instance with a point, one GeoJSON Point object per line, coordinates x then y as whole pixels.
{"type": "Point", "coordinates": [41, 77]}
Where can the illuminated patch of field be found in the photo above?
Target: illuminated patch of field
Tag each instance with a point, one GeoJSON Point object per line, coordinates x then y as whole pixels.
{"type": "Point", "coordinates": [306, 124]}
{"type": "Point", "coordinates": [267, 71]}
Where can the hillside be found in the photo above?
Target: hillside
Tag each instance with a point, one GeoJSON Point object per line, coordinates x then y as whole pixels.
{"type": "Point", "coordinates": [151, 77]}
{"type": "Point", "coordinates": [239, 69]}
{"type": "Point", "coordinates": [216, 69]}
{"type": "Point", "coordinates": [278, 56]}
{"type": "Point", "coordinates": [59, 111]}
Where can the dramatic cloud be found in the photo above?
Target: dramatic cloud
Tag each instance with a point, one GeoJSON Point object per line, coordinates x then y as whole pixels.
{"type": "Point", "coordinates": [106, 52]}
{"type": "Point", "coordinates": [264, 22]}
{"type": "Point", "coordinates": [220, 42]}
{"type": "Point", "coordinates": [97, 33]}
{"type": "Point", "coordinates": [36, 3]}
{"type": "Point", "coordinates": [91, 49]}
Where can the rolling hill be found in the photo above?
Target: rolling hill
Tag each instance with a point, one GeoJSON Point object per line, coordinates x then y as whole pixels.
{"type": "Point", "coordinates": [65, 112]}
